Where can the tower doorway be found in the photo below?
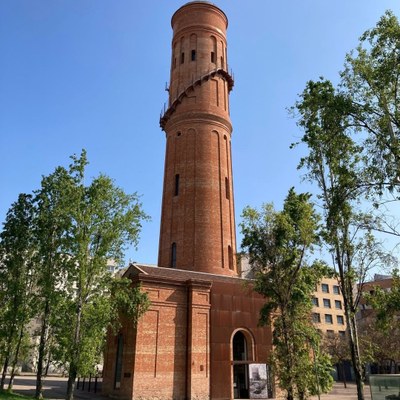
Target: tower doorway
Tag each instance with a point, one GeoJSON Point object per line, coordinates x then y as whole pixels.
{"type": "Point", "coordinates": [241, 359]}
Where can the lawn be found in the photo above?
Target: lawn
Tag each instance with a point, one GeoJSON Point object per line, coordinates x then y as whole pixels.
{"type": "Point", "coordinates": [4, 395]}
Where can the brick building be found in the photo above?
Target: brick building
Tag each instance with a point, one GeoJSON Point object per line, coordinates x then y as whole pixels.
{"type": "Point", "coordinates": [200, 338]}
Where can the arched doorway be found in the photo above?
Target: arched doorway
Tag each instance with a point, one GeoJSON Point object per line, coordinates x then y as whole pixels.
{"type": "Point", "coordinates": [242, 355]}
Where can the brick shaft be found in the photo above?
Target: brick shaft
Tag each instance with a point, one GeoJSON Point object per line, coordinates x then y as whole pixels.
{"type": "Point", "coordinates": [197, 222]}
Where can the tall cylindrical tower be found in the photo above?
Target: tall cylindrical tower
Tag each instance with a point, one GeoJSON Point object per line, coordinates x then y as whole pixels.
{"type": "Point", "coordinates": [197, 221]}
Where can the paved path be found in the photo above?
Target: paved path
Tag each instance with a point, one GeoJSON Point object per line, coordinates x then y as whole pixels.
{"type": "Point", "coordinates": [339, 392]}
{"type": "Point", "coordinates": [54, 387]}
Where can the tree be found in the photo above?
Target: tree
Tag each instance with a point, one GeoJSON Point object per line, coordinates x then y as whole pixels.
{"type": "Point", "coordinates": [337, 347]}
{"type": "Point", "coordinates": [352, 134]}
{"type": "Point", "coordinates": [277, 244]}
{"type": "Point", "coordinates": [371, 82]}
{"type": "Point", "coordinates": [381, 328]}
{"type": "Point", "coordinates": [334, 164]}
{"type": "Point", "coordinates": [51, 224]}
{"type": "Point", "coordinates": [101, 221]}
{"type": "Point", "coordinates": [16, 280]}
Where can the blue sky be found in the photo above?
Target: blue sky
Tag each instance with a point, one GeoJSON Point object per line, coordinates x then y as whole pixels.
{"type": "Point", "coordinates": [91, 74]}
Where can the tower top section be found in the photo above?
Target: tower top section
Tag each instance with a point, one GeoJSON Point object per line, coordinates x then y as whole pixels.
{"type": "Point", "coordinates": [199, 54]}
{"type": "Point", "coordinates": [177, 23]}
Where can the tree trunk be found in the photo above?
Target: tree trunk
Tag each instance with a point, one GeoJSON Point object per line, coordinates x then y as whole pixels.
{"type": "Point", "coordinates": [16, 356]}
{"type": "Point", "coordinates": [3, 376]}
{"type": "Point", "coordinates": [73, 368]}
{"type": "Point", "coordinates": [355, 358]}
{"type": "Point", "coordinates": [42, 347]}
{"type": "Point", "coordinates": [344, 374]}
{"type": "Point", "coordinates": [71, 382]}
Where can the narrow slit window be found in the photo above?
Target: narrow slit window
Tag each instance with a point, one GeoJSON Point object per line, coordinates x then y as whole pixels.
{"type": "Point", "coordinates": [175, 62]}
{"type": "Point", "coordinates": [182, 58]}
{"type": "Point", "coordinates": [212, 57]}
{"type": "Point", "coordinates": [230, 257]}
{"type": "Point", "coordinates": [193, 55]}
{"type": "Point", "coordinates": [173, 255]}
{"type": "Point", "coordinates": [227, 191]}
{"type": "Point", "coordinates": [176, 191]}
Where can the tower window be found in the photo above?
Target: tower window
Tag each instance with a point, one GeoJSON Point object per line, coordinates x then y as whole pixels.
{"type": "Point", "coordinates": [212, 57]}
{"type": "Point", "coordinates": [193, 55]}
{"type": "Point", "coordinates": [230, 257]}
{"type": "Point", "coordinates": [222, 62]}
{"type": "Point", "coordinates": [176, 191]}
{"type": "Point", "coordinates": [227, 192]}
{"type": "Point", "coordinates": [175, 62]}
{"type": "Point", "coordinates": [182, 58]}
{"type": "Point", "coordinates": [173, 255]}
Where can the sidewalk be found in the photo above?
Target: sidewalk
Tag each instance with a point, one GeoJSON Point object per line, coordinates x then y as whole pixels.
{"type": "Point", "coordinates": [339, 392]}
{"type": "Point", "coordinates": [54, 387]}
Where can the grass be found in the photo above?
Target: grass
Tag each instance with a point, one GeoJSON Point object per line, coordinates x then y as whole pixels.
{"type": "Point", "coordinates": [5, 395]}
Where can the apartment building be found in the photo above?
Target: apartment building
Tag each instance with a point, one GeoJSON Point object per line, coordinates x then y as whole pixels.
{"type": "Point", "coordinates": [328, 309]}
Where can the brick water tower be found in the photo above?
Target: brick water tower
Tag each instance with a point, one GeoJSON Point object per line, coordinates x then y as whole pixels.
{"type": "Point", "coordinates": [197, 222]}
{"type": "Point", "coordinates": [200, 337]}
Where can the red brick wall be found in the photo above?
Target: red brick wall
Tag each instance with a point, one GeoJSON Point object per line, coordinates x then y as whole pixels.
{"type": "Point", "coordinates": [234, 306]}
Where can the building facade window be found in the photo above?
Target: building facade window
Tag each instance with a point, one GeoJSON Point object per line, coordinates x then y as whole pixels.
{"type": "Point", "coordinates": [336, 289]}
{"type": "Point", "coordinates": [328, 319]}
{"type": "Point", "coordinates": [338, 304]}
{"type": "Point", "coordinates": [316, 318]}
{"type": "Point", "coordinates": [315, 301]}
{"type": "Point", "coordinates": [340, 319]}
{"type": "Point", "coordinates": [213, 57]}
{"type": "Point", "coordinates": [193, 55]}
{"type": "Point", "coordinates": [173, 255]}
{"type": "Point", "coordinates": [325, 288]}
{"type": "Point", "coordinates": [176, 190]}
{"type": "Point", "coordinates": [327, 303]}
{"type": "Point", "coordinates": [182, 58]}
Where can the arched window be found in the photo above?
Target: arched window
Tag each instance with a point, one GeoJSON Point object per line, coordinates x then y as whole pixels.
{"type": "Point", "coordinates": [193, 46]}
{"type": "Point", "coordinates": [213, 49]}
{"type": "Point", "coordinates": [241, 358]}
{"type": "Point", "coordinates": [173, 255]}
{"type": "Point", "coordinates": [239, 347]}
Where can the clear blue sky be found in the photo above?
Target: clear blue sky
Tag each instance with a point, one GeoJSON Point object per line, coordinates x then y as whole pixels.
{"type": "Point", "coordinates": [91, 74]}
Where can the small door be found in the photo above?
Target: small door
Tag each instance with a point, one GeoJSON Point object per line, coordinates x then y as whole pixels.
{"type": "Point", "coordinates": [241, 381]}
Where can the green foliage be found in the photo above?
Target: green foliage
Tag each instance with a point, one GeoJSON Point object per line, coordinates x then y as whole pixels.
{"type": "Point", "coordinates": [54, 252]}
{"type": "Point", "coordinates": [371, 80]}
{"type": "Point", "coordinates": [277, 244]}
{"type": "Point", "coordinates": [94, 223]}
{"type": "Point", "coordinates": [386, 303]}
{"type": "Point", "coordinates": [352, 134]}
{"type": "Point", "coordinates": [16, 279]}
